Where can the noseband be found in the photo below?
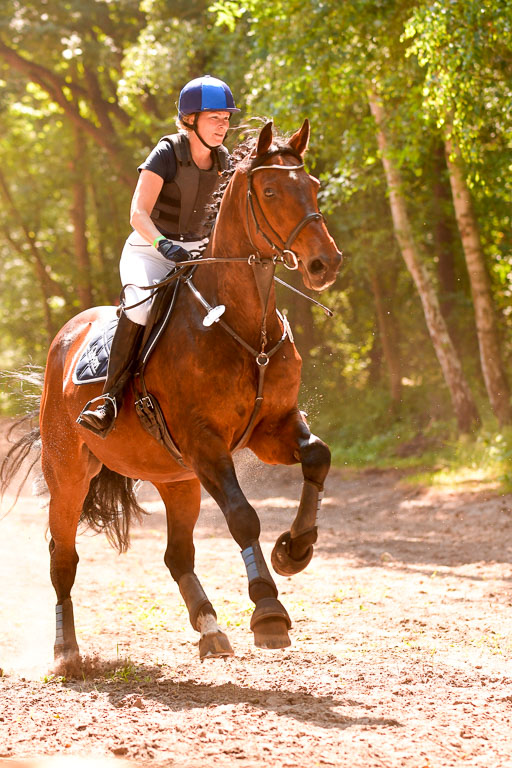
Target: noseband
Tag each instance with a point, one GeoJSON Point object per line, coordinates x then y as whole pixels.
{"type": "Point", "coordinates": [288, 256]}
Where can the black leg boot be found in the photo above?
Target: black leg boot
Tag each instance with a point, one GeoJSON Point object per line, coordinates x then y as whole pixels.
{"type": "Point", "coordinates": [124, 346]}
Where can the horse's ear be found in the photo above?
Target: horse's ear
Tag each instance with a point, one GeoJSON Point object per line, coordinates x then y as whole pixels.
{"type": "Point", "coordinates": [265, 139]}
{"type": "Point", "coordinates": [299, 141]}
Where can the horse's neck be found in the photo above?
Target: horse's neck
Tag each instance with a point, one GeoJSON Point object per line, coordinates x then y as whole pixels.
{"type": "Point", "coordinates": [246, 291]}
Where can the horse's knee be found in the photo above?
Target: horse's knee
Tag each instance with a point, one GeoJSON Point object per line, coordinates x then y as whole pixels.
{"type": "Point", "coordinates": [315, 458]}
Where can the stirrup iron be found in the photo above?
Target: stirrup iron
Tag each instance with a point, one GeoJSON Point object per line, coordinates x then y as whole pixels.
{"type": "Point", "coordinates": [95, 400]}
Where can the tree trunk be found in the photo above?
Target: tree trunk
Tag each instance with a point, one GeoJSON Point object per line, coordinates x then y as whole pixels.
{"type": "Point", "coordinates": [463, 403]}
{"type": "Point", "coordinates": [485, 318]}
{"type": "Point", "coordinates": [79, 219]}
{"type": "Point", "coordinates": [389, 341]}
{"type": "Point", "coordinates": [47, 285]}
{"type": "Point", "coordinates": [443, 231]}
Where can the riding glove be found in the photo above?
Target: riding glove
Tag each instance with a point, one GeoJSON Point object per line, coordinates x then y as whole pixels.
{"type": "Point", "coordinates": [172, 252]}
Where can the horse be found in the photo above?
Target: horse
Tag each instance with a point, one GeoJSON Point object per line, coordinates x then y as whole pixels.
{"type": "Point", "coordinates": [222, 384]}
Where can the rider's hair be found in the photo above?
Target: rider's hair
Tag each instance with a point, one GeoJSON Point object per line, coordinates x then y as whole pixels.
{"type": "Point", "coordinates": [182, 126]}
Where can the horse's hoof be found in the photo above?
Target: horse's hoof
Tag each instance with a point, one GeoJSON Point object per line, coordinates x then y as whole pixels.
{"type": "Point", "coordinates": [282, 562]}
{"type": "Point", "coordinates": [67, 663]}
{"type": "Point", "coordinates": [271, 634]}
{"type": "Point", "coordinates": [214, 645]}
{"type": "Point", "coordinates": [270, 623]}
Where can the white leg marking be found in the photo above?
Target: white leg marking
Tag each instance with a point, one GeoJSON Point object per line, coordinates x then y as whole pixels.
{"type": "Point", "coordinates": [207, 624]}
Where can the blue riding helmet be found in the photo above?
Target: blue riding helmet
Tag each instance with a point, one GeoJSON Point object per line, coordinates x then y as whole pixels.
{"type": "Point", "coordinates": [206, 94]}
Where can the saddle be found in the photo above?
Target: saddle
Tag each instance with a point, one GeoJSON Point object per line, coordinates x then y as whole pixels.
{"type": "Point", "coordinates": [92, 364]}
{"type": "Point", "coordinates": [93, 361]}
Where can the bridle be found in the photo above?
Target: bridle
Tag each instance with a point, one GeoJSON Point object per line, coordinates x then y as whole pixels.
{"type": "Point", "coordinates": [285, 253]}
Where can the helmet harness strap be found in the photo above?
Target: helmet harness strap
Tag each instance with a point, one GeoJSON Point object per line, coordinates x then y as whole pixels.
{"type": "Point", "coordinates": [196, 131]}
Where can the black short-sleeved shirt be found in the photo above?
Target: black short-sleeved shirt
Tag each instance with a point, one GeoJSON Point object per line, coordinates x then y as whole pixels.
{"type": "Point", "coordinates": [161, 160]}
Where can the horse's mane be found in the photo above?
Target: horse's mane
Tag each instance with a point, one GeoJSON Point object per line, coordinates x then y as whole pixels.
{"type": "Point", "coordinates": [240, 157]}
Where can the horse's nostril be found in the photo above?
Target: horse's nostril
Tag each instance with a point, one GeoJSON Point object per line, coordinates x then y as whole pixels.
{"type": "Point", "coordinates": [316, 267]}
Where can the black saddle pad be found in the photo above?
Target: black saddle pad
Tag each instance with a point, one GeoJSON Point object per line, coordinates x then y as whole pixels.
{"type": "Point", "coordinates": [93, 362]}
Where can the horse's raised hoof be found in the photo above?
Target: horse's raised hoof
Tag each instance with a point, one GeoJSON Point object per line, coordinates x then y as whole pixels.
{"type": "Point", "coordinates": [67, 663]}
{"type": "Point", "coordinates": [270, 623]}
{"type": "Point", "coordinates": [282, 561]}
{"type": "Point", "coordinates": [215, 645]}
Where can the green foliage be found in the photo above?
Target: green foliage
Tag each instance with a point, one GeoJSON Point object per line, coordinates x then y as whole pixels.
{"type": "Point", "coordinates": [113, 71]}
{"type": "Point", "coordinates": [485, 461]}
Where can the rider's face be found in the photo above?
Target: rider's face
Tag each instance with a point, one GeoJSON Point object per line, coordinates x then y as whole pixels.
{"type": "Point", "coordinates": [213, 127]}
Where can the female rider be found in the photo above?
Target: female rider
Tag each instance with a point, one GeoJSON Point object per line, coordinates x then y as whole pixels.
{"type": "Point", "coordinates": [167, 213]}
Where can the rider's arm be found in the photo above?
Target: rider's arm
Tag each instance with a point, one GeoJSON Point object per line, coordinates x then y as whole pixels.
{"type": "Point", "coordinates": [143, 201]}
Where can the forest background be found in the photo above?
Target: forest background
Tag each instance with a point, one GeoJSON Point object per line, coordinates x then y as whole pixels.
{"type": "Point", "coordinates": [411, 112]}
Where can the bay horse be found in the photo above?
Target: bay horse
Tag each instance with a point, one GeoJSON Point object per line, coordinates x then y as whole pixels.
{"type": "Point", "coordinates": [209, 384]}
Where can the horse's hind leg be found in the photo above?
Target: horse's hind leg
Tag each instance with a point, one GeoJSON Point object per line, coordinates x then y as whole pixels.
{"type": "Point", "coordinates": [182, 501]}
{"type": "Point", "coordinates": [67, 473]}
{"type": "Point", "coordinates": [270, 621]}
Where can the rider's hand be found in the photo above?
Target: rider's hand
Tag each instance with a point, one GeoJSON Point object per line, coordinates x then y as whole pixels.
{"type": "Point", "coordinates": [171, 251]}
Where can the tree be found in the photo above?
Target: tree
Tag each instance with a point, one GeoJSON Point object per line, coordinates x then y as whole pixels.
{"type": "Point", "coordinates": [462, 399]}
{"type": "Point", "coordinates": [341, 51]}
{"type": "Point", "coordinates": [465, 47]}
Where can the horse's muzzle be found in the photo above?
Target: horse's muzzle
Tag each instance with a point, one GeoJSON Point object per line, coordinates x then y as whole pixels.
{"type": "Point", "coordinates": [321, 270]}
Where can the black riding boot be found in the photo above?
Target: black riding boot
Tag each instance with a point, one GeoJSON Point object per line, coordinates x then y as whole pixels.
{"type": "Point", "coordinates": [124, 346]}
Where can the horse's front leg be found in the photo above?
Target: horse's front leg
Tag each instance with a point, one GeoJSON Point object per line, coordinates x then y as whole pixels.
{"type": "Point", "coordinates": [182, 501]}
{"type": "Point", "coordinates": [287, 442]}
{"type": "Point", "coordinates": [270, 621]}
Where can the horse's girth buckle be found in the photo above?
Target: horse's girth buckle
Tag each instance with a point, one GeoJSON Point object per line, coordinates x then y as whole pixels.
{"type": "Point", "coordinates": [145, 403]}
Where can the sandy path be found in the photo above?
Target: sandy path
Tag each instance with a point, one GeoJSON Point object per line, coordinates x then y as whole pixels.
{"type": "Point", "coordinates": [401, 641]}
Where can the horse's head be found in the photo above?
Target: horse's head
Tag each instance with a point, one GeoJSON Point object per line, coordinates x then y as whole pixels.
{"type": "Point", "coordinates": [282, 209]}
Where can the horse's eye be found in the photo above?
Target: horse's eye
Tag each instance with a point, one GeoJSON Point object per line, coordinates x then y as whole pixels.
{"type": "Point", "coordinates": [268, 192]}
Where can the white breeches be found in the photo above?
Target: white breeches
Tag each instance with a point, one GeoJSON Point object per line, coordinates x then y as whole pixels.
{"type": "Point", "coordinates": [141, 264]}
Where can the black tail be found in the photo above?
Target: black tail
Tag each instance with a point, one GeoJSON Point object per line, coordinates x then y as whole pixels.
{"type": "Point", "coordinates": [110, 505]}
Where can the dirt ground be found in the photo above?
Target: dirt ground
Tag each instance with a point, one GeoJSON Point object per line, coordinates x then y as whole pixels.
{"type": "Point", "coordinates": [401, 639]}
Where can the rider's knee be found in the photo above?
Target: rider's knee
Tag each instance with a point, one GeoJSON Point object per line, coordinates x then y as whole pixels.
{"type": "Point", "coordinates": [138, 315]}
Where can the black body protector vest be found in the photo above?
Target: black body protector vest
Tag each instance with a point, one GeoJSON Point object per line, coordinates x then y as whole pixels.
{"type": "Point", "coordinates": [180, 209]}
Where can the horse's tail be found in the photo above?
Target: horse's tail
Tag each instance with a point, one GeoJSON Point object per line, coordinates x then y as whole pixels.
{"type": "Point", "coordinates": [110, 505]}
{"type": "Point", "coordinates": [25, 386]}
{"type": "Point", "coordinates": [29, 442]}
